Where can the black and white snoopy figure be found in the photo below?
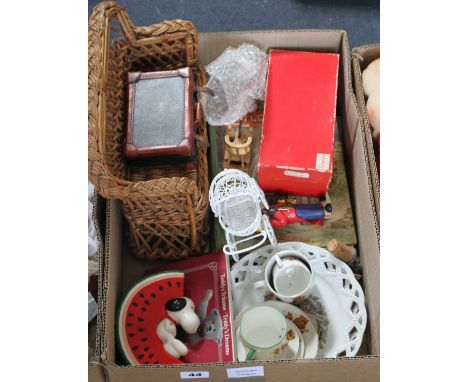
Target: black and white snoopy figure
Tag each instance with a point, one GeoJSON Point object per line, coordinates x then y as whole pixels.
{"type": "Point", "coordinates": [179, 311]}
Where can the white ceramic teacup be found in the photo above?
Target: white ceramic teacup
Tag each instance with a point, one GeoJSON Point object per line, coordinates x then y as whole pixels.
{"type": "Point", "coordinates": [288, 276]}
{"type": "Point", "coordinates": [263, 330]}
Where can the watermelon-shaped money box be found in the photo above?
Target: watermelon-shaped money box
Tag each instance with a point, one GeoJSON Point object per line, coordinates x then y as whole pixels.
{"type": "Point", "coordinates": [140, 312]}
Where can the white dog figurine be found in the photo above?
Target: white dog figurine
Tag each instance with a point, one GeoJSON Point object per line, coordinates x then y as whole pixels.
{"type": "Point", "coordinates": [179, 311]}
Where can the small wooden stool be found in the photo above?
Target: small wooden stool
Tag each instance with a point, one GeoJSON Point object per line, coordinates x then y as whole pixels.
{"type": "Point", "coordinates": [237, 151]}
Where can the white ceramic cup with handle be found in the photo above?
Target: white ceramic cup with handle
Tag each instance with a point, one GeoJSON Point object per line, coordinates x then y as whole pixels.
{"type": "Point", "coordinates": [288, 276]}
{"type": "Point", "coordinates": [263, 331]}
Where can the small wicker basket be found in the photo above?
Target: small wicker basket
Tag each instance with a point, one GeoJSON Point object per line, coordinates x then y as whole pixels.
{"type": "Point", "coordinates": [165, 209]}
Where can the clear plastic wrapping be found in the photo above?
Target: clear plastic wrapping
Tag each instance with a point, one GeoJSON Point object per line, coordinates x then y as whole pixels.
{"type": "Point", "coordinates": [238, 78]}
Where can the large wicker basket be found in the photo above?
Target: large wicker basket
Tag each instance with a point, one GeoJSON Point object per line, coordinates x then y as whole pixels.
{"type": "Point", "coordinates": [165, 209]}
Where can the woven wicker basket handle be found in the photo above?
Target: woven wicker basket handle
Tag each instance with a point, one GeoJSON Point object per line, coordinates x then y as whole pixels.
{"type": "Point", "coordinates": [99, 28]}
{"type": "Point", "coordinates": [143, 35]}
{"type": "Point", "coordinates": [146, 35]}
{"type": "Point", "coordinates": [99, 40]}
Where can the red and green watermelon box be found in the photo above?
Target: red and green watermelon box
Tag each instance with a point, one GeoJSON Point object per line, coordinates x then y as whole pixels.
{"type": "Point", "coordinates": [207, 284]}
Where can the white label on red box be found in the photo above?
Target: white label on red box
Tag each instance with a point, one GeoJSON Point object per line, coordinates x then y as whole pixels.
{"type": "Point", "coordinates": [245, 372]}
{"type": "Point", "coordinates": [297, 174]}
{"type": "Point", "coordinates": [323, 162]}
{"type": "Point", "coordinates": [194, 374]}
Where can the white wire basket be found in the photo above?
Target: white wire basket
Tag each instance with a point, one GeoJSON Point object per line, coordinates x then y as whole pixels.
{"type": "Point", "coordinates": [237, 201]}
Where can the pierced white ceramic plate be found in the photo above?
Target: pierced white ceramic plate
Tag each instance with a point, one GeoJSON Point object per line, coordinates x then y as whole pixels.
{"type": "Point", "coordinates": [337, 301]}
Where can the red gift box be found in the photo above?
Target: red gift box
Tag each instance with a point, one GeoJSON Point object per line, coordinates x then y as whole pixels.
{"type": "Point", "coordinates": [296, 150]}
{"type": "Point", "coordinates": [214, 340]}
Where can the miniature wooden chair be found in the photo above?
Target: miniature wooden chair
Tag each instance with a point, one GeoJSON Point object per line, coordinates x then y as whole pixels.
{"type": "Point", "coordinates": [237, 151]}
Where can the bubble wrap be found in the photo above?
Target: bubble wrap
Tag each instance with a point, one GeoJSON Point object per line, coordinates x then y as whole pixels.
{"type": "Point", "coordinates": [238, 78]}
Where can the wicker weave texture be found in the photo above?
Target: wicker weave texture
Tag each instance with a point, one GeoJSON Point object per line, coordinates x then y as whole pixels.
{"type": "Point", "coordinates": [165, 208]}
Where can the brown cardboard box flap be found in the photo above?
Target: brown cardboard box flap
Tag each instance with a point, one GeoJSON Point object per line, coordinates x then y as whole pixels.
{"type": "Point", "coordinates": [361, 58]}
{"type": "Point", "coordinates": [96, 373]}
{"type": "Point", "coordinates": [100, 213]}
{"type": "Point", "coordinates": [367, 53]}
{"type": "Point", "coordinates": [346, 369]}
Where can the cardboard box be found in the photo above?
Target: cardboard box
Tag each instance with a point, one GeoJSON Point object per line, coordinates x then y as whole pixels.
{"type": "Point", "coordinates": [95, 370]}
{"type": "Point", "coordinates": [296, 149]}
{"type": "Point", "coordinates": [95, 373]}
{"type": "Point", "coordinates": [121, 268]}
{"type": "Point", "coordinates": [361, 58]}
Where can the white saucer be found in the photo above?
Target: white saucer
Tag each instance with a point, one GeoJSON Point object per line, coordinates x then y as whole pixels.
{"type": "Point", "coordinates": [303, 322]}
{"type": "Point", "coordinates": [294, 348]}
{"type": "Point", "coordinates": [297, 332]}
